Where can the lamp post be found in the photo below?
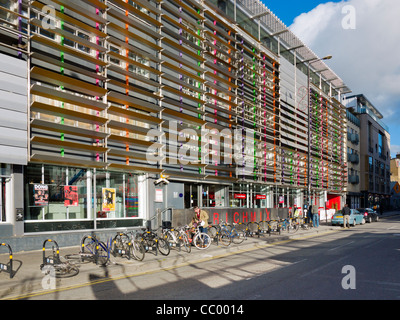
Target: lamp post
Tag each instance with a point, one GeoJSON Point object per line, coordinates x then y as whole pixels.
{"type": "Point", "coordinates": [309, 123]}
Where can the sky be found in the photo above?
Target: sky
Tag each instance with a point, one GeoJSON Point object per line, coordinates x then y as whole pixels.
{"type": "Point", "coordinates": [363, 36]}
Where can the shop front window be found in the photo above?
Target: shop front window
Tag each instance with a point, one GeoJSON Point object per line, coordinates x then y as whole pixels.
{"type": "Point", "coordinates": [213, 195]}
{"type": "Point", "coordinates": [64, 198]}
{"type": "Point", "coordinates": [239, 196]}
{"type": "Point", "coordinates": [55, 193]}
{"type": "Point", "coordinates": [261, 196]}
{"type": "Point", "coordinates": [116, 195]}
{"type": "Point", "coordinates": [131, 195]}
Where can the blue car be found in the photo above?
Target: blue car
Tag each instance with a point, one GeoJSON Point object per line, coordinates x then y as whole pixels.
{"type": "Point", "coordinates": [355, 218]}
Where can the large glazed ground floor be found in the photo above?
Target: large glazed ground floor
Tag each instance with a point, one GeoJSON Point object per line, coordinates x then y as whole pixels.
{"type": "Point", "coordinates": [42, 199]}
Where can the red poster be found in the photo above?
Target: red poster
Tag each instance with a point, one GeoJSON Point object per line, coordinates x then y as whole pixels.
{"type": "Point", "coordinates": [70, 196]}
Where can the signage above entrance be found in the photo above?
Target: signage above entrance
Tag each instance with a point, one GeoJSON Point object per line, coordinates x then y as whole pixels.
{"type": "Point", "coordinates": [239, 196]}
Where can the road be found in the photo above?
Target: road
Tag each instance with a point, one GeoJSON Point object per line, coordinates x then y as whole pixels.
{"type": "Point", "coordinates": [358, 263]}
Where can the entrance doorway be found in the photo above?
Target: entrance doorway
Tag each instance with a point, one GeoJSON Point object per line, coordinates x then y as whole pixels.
{"type": "Point", "coordinates": [191, 197]}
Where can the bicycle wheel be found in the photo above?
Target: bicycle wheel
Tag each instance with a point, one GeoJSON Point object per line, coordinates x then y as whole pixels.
{"type": "Point", "coordinates": [284, 225]}
{"type": "Point", "coordinates": [65, 270]}
{"type": "Point", "coordinates": [184, 243]}
{"type": "Point", "coordinates": [293, 226]}
{"type": "Point", "coordinates": [202, 241]}
{"type": "Point", "coordinates": [103, 255]}
{"type": "Point", "coordinates": [212, 231]}
{"type": "Point", "coordinates": [224, 237]}
{"type": "Point", "coordinates": [137, 250]}
{"type": "Point", "coordinates": [163, 247]}
{"type": "Point", "coordinates": [88, 245]}
{"type": "Point", "coordinates": [238, 236]}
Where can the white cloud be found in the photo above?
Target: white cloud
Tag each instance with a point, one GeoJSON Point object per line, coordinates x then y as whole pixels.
{"type": "Point", "coordinates": [366, 58]}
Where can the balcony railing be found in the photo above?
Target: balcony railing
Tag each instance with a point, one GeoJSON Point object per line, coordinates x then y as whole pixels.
{"type": "Point", "coordinates": [353, 158]}
{"type": "Point", "coordinates": [353, 137]}
{"type": "Point", "coordinates": [354, 179]}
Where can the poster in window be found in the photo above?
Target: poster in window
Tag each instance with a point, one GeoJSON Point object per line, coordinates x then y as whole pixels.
{"type": "Point", "coordinates": [70, 196]}
{"type": "Point", "coordinates": [108, 199]}
{"type": "Point", "coordinates": [41, 194]}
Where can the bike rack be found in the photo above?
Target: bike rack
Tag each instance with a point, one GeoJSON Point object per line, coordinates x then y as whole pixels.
{"type": "Point", "coordinates": [152, 248]}
{"type": "Point", "coordinates": [84, 255]}
{"type": "Point", "coordinates": [172, 244]}
{"type": "Point", "coordinates": [251, 231]}
{"type": "Point", "coordinates": [50, 260]}
{"type": "Point", "coordinates": [265, 229]}
{"type": "Point", "coordinates": [7, 267]}
{"type": "Point", "coordinates": [121, 252]}
{"type": "Point", "coordinates": [277, 230]}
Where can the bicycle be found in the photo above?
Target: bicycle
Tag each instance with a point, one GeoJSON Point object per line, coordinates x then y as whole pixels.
{"type": "Point", "coordinates": [223, 234]}
{"type": "Point", "coordinates": [152, 242]}
{"type": "Point", "coordinates": [201, 240]}
{"type": "Point", "coordinates": [212, 231]}
{"type": "Point", "coordinates": [289, 224]}
{"type": "Point", "coordinates": [125, 244]}
{"type": "Point", "coordinates": [92, 249]}
{"type": "Point", "coordinates": [62, 269]}
{"type": "Point", "coordinates": [177, 237]}
{"type": "Point", "coordinates": [302, 223]}
{"type": "Point", "coordinates": [231, 233]}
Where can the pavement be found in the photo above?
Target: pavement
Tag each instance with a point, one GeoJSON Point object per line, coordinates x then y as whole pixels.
{"type": "Point", "coordinates": [28, 279]}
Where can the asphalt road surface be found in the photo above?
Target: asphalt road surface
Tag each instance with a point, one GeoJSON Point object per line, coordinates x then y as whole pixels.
{"type": "Point", "coordinates": [354, 264]}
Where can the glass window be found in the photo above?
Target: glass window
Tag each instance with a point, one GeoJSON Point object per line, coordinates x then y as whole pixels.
{"type": "Point", "coordinates": [55, 193]}
{"type": "Point", "coordinates": [116, 195]}
{"type": "Point", "coordinates": [380, 144]}
{"type": "Point", "coordinates": [131, 195]}
{"type": "Point", "coordinates": [75, 193]}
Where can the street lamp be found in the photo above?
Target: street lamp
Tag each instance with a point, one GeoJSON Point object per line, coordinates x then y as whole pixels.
{"type": "Point", "coordinates": [309, 122]}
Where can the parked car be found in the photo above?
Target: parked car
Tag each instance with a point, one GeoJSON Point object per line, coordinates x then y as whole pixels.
{"type": "Point", "coordinates": [355, 218]}
{"type": "Point", "coordinates": [369, 214]}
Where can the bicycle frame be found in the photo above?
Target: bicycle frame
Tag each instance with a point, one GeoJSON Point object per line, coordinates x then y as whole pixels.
{"type": "Point", "coordinates": [93, 247]}
{"type": "Point", "coordinates": [232, 232]}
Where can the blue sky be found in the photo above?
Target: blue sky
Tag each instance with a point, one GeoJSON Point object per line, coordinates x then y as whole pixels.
{"type": "Point", "coordinates": [364, 57]}
{"type": "Point", "coordinates": [287, 10]}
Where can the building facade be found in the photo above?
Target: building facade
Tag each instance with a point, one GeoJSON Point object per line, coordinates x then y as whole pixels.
{"type": "Point", "coordinates": [353, 160]}
{"type": "Point", "coordinates": [132, 107]}
{"type": "Point", "coordinates": [395, 182]}
{"type": "Point", "coordinates": [394, 169]}
{"type": "Point", "coordinates": [374, 150]}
